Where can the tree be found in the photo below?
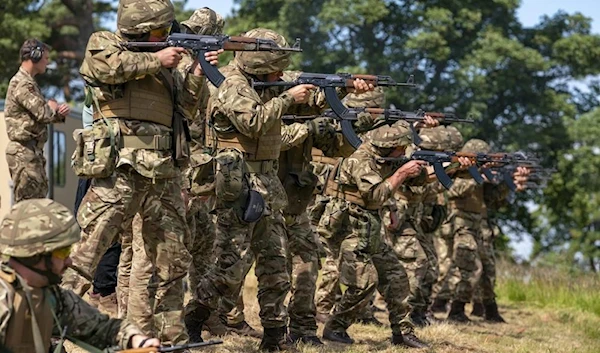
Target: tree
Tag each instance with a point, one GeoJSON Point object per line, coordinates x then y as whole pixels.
{"type": "Point", "coordinates": [472, 57]}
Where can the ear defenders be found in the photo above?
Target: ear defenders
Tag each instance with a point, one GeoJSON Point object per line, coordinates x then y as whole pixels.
{"type": "Point", "coordinates": [36, 53]}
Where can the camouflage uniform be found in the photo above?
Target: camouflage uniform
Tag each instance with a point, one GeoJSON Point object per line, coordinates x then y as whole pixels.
{"type": "Point", "coordinates": [54, 311]}
{"type": "Point", "coordinates": [146, 179]}
{"type": "Point", "coordinates": [27, 117]}
{"type": "Point", "coordinates": [359, 190]}
{"type": "Point", "coordinates": [246, 136]}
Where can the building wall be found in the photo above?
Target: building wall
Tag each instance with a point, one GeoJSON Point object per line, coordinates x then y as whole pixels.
{"type": "Point", "coordinates": [64, 194]}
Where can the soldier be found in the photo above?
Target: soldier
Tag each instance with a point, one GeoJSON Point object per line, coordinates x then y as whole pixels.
{"type": "Point", "coordinates": [36, 237]}
{"type": "Point", "coordinates": [246, 136]}
{"type": "Point", "coordinates": [138, 99]}
{"type": "Point", "coordinates": [360, 187]}
{"type": "Point", "coordinates": [27, 115]}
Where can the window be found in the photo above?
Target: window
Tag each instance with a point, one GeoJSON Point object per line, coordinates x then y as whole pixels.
{"type": "Point", "coordinates": [59, 158]}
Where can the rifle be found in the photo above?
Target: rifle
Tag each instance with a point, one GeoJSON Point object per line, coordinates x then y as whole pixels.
{"type": "Point", "coordinates": [169, 349]}
{"type": "Point", "coordinates": [389, 115]}
{"type": "Point", "coordinates": [200, 44]}
{"type": "Point", "coordinates": [436, 159]}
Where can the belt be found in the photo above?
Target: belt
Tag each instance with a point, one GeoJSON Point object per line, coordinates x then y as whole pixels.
{"type": "Point", "coordinates": [261, 167]}
{"type": "Point", "coordinates": [156, 142]}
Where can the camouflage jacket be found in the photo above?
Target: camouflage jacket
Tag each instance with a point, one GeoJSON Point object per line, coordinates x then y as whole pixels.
{"type": "Point", "coordinates": [81, 320]}
{"type": "Point", "coordinates": [26, 112]}
{"type": "Point", "coordinates": [107, 66]}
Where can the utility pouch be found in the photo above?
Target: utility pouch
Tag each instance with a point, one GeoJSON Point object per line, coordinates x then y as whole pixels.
{"type": "Point", "coordinates": [229, 174]}
{"type": "Point", "coordinates": [95, 154]}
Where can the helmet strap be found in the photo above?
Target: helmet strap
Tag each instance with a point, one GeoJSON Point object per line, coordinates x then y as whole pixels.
{"type": "Point", "coordinates": [52, 277]}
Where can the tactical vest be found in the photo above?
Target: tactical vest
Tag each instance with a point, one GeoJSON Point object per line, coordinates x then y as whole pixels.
{"type": "Point", "coordinates": [146, 99]}
{"type": "Point", "coordinates": [266, 147]}
{"type": "Point", "coordinates": [473, 202]}
{"type": "Point", "coordinates": [19, 333]}
{"type": "Point", "coordinates": [349, 193]}
{"type": "Point", "coordinates": [319, 157]}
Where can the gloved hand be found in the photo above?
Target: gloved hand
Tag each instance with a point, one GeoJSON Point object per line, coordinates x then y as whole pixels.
{"type": "Point", "coordinates": [317, 126]}
{"type": "Point", "coordinates": [364, 122]}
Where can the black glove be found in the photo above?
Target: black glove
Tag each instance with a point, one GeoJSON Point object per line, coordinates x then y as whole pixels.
{"type": "Point", "coordinates": [317, 126]}
{"type": "Point", "coordinates": [364, 122]}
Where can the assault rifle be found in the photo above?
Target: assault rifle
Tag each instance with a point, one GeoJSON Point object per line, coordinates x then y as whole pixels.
{"type": "Point", "coordinates": [200, 44]}
{"type": "Point", "coordinates": [436, 159]}
{"type": "Point", "coordinates": [168, 349]}
{"type": "Point", "coordinates": [389, 116]}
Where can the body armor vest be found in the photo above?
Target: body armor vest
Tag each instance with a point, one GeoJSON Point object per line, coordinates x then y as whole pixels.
{"type": "Point", "coordinates": [267, 147]}
{"type": "Point", "coordinates": [473, 202]}
{"type": "Point", "coordinates": [349, 193]}
{"type": "Point", "coordinates": [19, 333]}
{"type": "Point", "coordinates": [146, 100]}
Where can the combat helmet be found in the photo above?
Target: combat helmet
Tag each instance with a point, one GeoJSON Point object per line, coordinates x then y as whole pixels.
{"type": "Point", "coordinates": [476, 146]}
{"type": "Point", "coordinates": [370, 99]}
{"type": "Point", "coordinates": [263, 62]}
{"type": "Point", "coordinates": [135, 17]}
{"type": "Point", "coordinates": [391, 136]}
{"type": "Point", "coordinates": [441, 138]}
{"type": "Point", "coordinates": [37, 226]}
{"type": "Point", "coordinates": [205, 21]}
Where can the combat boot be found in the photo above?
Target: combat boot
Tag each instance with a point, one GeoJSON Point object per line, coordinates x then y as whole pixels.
{"type": "Point", "coordinates": [492, 314]}
{"type": "Point", "coordinates": [408, 340]}
{"type": "Point", "coordinates": [194, 321]}
{"type": "Point", "coordinates": [215, 325]}
{"type": "Point", "coordinates": [243, 329]}
{"type": "Point", "coordinates": [439, 306]}
{"type": "Point", "coordinates": [108, 305]}
{"type": "Point", "coordinates": [306, 339]}
{"type": "Point", "coordinates": [340, 336]}
{"type": "Point", "coordinates": [478, 309]}
{"type": "Point", "coordinates": [371, 320]}
{"type": "Point", "coordinates": [457, 312]}
{"type": "Point", "coordinates": [275, 340]}
{"type": "Point", "coordinates": [418, 318]}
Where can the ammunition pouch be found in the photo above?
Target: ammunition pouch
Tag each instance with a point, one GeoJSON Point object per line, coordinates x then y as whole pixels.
{"type": "Point", "coordinates": [95, 154]}
{"type": "Point", "coordinates": [229, 175]}
{"type": "Point", "coordinates": [299, 187]}
{"type": "Point", "coordinates": [202, 175]}
{"type": "Point", "coordinates": [333, 219]}
{"type": "Point", "coordinates": [254, 208]}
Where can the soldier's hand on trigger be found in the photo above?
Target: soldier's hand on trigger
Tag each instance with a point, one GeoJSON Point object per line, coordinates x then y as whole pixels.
{"type": "Point", "coordinates": [427, 122]}
{"type": "Point", "coordinates": [360, 86]}
{"type": "Point", "coordinates": [465, 162]}
{"type": "Point", "coordinates": [412, 168]}
{"type": "Point", "coordinates": [141, 341]}
{"type": "Point", "coordinates": [170, 57]}
{"type": "Point", "coordinates": [301, 93]}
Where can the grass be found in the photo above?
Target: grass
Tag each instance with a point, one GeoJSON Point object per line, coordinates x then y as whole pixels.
{"type": "Point", "coordinates": [546, 312]}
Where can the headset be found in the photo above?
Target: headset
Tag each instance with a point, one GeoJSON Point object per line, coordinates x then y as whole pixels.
{"type": "Point", "coordinates": [36, 52]}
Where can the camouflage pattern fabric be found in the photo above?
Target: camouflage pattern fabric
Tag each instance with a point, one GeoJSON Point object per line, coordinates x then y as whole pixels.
{"type": "Point", "coordinates": [448, 275]}
{"type": "Point", "coordinates": [124, 269]}
{"type": "Point", "coordinates": [328, 289]}
{"type": "Point", "coordinates": [441, 138]}
{"type": "Point", "coordinates": [142, 16]}
{"type": "Point", "coordinates": [484, 291]}
{"type": "Point", "coordinates": [27, 117]}
{"type": "Point", "coordinates": [205, 21]}
{"type": "Point", "coordinates": [108, 206]}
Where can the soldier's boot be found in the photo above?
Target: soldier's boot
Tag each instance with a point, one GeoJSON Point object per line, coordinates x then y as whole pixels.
{"type": "Point", "coordinates": [457, 312]}
{"type": "Point", "coordinates": [340, 336]}
{"type": "Point", "coordinates": [370, 320]}
{"type": "Point", "coordinates": [419, 319]}
{"type": "Point", "coordinates": [243, 329]}
{"type": "Point", "coordinates": [439, 306]}
{"type": "Point", "coordinates": [408, 340]}
{"type": "Point", "coordinates": [275, 340]}
{"type": "Point", "coordinates": [214, 324]}
{"type": "Point", "coordinates": [478, 309]}
{"type": "Point", "coordinates": [492, 314]}
{"type": "Point", "coordinates": [194, 320]}
{"type": "Point", "coordinates": [108, 305]}
{"type": "Point", "coordinates": [306, 339]}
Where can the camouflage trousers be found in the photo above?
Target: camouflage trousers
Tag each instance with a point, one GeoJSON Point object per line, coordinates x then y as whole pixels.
{"type": "Point", "coordinates": [364, 270]}
{"type": "Point", "coordinates": [27, 167]}
{"type": "Point", "coordinates": [484, 292]}
{"type": "Point", "coordinates": [304, 256]}
{"type": "Point", "coordinates": [465, 251]}
{"type": "Point", "coordinates": [111, 204]}
{"type": "Point", "coordinates": [237, 244]}
{"type": "Point", "coordinates": [448, 275]}
{"type": "Point", "coordinates": [417, 254]}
